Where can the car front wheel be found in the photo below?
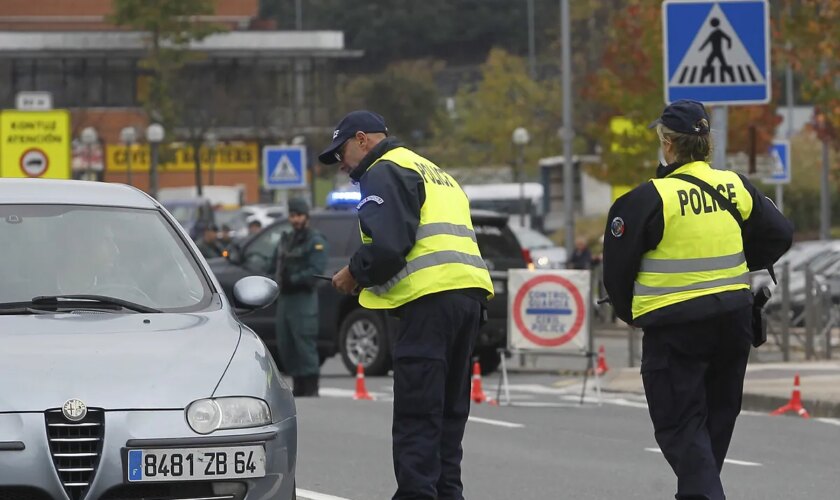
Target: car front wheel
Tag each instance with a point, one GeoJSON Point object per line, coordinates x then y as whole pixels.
{"type": "Point", "coordinates": [364, 339]}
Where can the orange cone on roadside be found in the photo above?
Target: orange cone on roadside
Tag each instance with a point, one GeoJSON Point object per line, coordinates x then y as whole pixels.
{"type": "Point", "coordinates": [602, 367]}
{"type": "Point", "coordinates": [477, 393]}
{"type": "Point", "coordinates": [795, 403]}
{"type": "Point", "coordinates": [361, 391]}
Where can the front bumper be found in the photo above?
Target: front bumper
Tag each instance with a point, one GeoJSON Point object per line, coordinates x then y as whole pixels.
{"type": "Point", "coordinates": [33, 465]}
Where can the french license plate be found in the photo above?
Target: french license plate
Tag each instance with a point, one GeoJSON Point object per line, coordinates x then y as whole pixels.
{"type": "Point", "coordinates": [188, 464]}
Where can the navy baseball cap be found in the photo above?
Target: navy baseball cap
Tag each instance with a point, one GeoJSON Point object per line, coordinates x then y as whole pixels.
{"type": "Point", "coordinates": [355, 121]}
{"type": "Point", "coordinates": [684, 116]}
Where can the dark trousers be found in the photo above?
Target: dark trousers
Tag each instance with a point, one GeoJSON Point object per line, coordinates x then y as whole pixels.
{"type": "Point", "coordinates": [432, 394]}
{"type": "Point", "coordinates": [693, 375]}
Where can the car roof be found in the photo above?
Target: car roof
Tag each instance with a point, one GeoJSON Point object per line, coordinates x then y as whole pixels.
{"type": "Point", "coordinates": [64, 192]}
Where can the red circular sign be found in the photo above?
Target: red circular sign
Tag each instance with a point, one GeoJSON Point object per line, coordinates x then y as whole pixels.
{"type": "Point", "coordinates": [578, 313]}
{"type": "Point", "coordinates": [34, 162]}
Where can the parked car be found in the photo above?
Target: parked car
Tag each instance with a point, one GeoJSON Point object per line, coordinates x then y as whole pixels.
{"type": "Point", "coordinates": [361, 335]}
{"type": "Point", "coordinates": [193, 214]}
{"type": "Point", "coordinates": [125, 371]}
{"type": "Point", "coordinates": [539, 249]}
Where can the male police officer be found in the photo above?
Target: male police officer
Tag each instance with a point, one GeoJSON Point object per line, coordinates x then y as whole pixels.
{"type": "Point", "coordinates": [301, 254]}
{"type": "Point", "coordinates": [419, 257]}
{"type": "Point", "coordinates": [676, 264]}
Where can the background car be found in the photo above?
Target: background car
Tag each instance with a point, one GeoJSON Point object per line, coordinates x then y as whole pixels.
{"type": "Point", "coordinates": [362, 335]}
{"type": "Point", "coordinates": [539, 249]}
{"type": "Point", "coordinates": [125, 371]}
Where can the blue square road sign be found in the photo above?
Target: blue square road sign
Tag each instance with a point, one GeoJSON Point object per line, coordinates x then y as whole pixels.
{"type": "Point", "coordinates": [716, 52]}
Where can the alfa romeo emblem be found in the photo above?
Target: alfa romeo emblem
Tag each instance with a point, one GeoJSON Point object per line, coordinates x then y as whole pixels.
{"type": "Point", "coordinates": [74, 410]}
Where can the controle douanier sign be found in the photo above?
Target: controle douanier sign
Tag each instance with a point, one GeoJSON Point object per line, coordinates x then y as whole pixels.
{"type": "Point", "coordinates": [549, 310]}
{"type": "Point", "coordinates": [35, 144]}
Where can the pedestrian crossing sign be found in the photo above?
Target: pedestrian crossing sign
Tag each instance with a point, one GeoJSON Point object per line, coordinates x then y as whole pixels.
{"type": "Point", "coordinates": [780, 154]}
{"type": "Point", "coordinates": [716, 52]}
{"type": "Point", "coordinates": [284, 167]}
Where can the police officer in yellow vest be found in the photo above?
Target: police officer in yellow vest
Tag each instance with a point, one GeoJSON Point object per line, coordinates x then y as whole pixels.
{"type": "Point", "coordinates": [676, 264]}
{"type": "Point", "coordinates": [419, 259]}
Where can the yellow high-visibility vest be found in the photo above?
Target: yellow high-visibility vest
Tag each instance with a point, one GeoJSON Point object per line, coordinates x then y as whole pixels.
{"type": "Point", "coordinates": [701, 251]}
{"type": "Point", "coordinates": [445, 255]}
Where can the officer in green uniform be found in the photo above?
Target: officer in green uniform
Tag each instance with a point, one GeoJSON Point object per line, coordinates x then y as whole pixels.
{"type": "Point", "coordinates": [301, 254]}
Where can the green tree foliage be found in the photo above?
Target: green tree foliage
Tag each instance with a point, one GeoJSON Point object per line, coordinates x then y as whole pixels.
{"type": "Point", "coordinates": [405, 93]}
{"type": "Point", "coordinates": [170, 26]}
{"type": "Point", "coordinates": [479, 132]}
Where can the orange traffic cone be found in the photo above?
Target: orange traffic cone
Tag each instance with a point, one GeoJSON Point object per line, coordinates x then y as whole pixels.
{"type": "Point", "coordinates": [477, 393]}
{"type": "Point", "coordinates": [602, 367]}
{"type": "Point", "coordinates": [795, 403]}
{"type": "Point", "coordinates": [361, 391]}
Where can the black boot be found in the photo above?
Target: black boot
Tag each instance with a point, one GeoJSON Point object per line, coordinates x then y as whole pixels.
{"type": "Point", "coordinates": [298, 386]}
{"type": "Point", "coordinates": [310, 386]}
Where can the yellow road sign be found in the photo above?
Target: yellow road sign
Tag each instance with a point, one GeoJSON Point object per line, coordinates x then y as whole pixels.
{"type": "Point", "coordinates": [233, 156]}
{"type": "Point", "coordinates": [35, 144]}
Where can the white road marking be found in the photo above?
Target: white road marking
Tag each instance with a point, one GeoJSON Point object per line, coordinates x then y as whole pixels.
{"type": "Point", "coordinates": [832, 421]}
{"type": "Point", "coordinates": [335, 392]}
{"type": "Point", "coordinates": [312, 495]}
{"type": "Point", "coordinates": [726, 460]}
{"type": "Point", "coordinates": [500, 423]}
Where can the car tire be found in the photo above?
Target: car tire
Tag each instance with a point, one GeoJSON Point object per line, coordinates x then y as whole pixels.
{"type": "Point", "coordinates": [489, 359]}
{"type": "Point", "coordinates": [363, 338]}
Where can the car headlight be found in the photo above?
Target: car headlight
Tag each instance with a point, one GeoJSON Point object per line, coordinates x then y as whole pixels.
{"type": "Point", "coordinates": [209, 415]}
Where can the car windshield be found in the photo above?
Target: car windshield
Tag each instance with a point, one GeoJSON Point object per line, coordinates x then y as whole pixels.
{"type": "Point", "coordinates": [498, 246]}
{"type": "Point", "coordinates": [532, 240]}
{"type": "Point", "coordinates": [129, 254]}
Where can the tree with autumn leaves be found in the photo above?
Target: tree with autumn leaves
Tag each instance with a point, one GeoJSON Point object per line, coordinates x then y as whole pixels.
{"type": "Point", "coordinates": [629, 85]}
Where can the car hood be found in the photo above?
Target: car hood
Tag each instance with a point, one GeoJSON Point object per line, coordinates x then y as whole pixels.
{"type": "Point", "coordinates": [113, 361]}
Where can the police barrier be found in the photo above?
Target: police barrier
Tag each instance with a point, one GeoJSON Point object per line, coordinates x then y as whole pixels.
{"type": "Point", "coordinates": [549, 313]}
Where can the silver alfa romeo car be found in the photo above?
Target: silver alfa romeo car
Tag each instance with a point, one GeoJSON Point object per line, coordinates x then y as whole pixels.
{"type": "Point", "coordinates": [124, 372]}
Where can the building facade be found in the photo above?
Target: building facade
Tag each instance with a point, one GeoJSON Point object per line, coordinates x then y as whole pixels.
{"type": "Point", "coordinates": [249, 85]}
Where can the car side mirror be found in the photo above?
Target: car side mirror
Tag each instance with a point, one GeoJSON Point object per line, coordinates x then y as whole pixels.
{"type": "Point", "coordinates": [254, 292]}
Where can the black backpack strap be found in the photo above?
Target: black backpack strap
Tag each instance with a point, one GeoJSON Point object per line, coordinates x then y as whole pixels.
{"type": "Point", "coordinates": [715, 194]}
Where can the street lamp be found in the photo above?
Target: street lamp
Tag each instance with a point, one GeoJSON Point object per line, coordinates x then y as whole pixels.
{"type": "Point", "coordinates": [521, 138]}
{"type": "Point", "coordinates": [154, 134]}
{"type": "Point", "coordinates": [212, 142]}
{"type": "Point", "coordinates": [89, 138]}
{"type": "Point", "coordinates": [128, 136]}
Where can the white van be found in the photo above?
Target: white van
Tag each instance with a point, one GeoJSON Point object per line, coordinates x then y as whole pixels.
{"type": "Point", "coordinates": [507, 198]}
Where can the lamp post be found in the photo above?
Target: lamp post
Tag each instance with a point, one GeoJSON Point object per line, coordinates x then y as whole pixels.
{"type": "Point", "coordinates": [154, 134]}
{"type": "Point", "coordinates": [89, 138]}
{"type": "Point", "coordinates": [212, 143]}
{"type": "Point", "coordinates": [521, 138]}
{"type": "Point", "coordinates": [128, 136]}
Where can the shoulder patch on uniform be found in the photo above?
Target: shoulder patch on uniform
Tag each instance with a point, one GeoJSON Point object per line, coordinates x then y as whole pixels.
{"type": "Point", "coordinates": [617, 227]}
{"type": "Point", "coordinates": [373, 198]}
{"type": "Point", "coordinates": [319, 246]}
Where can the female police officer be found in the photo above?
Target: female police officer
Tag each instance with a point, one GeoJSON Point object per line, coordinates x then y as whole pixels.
{"type": "Point", "coordinates": [676, 264]}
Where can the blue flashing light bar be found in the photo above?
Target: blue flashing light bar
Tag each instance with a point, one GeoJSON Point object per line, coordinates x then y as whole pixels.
{"type": "Point", "coordinates": [343, 199]}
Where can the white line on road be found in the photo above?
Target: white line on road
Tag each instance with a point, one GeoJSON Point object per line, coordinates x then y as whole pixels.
{"type": "Point", "coordinates": [726, 460]}
{"type": "Point", "coordinates": [312, 495]}
{"type": "Point", "coordinates": [832, 421]}
{"type": "Point", "coordinates": [500, 423]}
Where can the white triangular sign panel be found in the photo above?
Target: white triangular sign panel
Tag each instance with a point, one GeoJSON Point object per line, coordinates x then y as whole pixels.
{"type": "Point", "coordinates": [716, 57]}
{"type": "Point", "coordinates": [284, 171]}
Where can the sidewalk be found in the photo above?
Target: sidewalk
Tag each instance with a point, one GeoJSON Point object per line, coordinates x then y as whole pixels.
{"type": "Point", "coordinates": [767, 386]}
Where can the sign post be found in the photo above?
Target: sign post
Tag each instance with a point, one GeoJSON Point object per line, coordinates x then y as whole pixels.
{"type": "Point", "coordinates": [549, 313]}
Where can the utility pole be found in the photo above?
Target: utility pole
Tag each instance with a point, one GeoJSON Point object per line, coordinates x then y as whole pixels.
{"type": "Point", "coordinates": [568, 129]}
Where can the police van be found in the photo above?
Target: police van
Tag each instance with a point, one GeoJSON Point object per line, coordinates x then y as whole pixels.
{"type": "Point", "coordinates": [361, 335]}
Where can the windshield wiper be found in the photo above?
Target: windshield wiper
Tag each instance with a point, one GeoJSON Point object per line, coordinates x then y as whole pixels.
{"type": "Point", "coordinates": [57, 301]}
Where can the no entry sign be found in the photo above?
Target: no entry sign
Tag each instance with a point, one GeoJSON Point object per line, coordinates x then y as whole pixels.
{"type": "Point", "coordinates": [548, 310]}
